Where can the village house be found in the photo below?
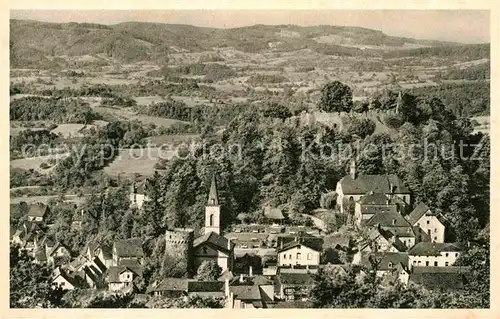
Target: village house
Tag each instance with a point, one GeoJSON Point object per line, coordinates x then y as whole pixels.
{"type": "Point", "coordinates": [299, 252]}
{"type": "Point", "coordinates": [371, 204]}
{"type": "Point", "coordinates": [396, 224]}
{"type": "Point", "coordinates": [380, 240]}
{"type": "Point", "coordinates": [38, 212]}
{"type": "Point", "coordinates": [352, 187]}
{"type": "Point", "coordinates": [57, 254]}
{"type": "Point", "coordinates": [250, 292]}
{"type": "Point", "coordinates": [294, 286]}
{"type": "Point", "coordinates": [273, 215]}
{"type": "Point", "coordinates": [434, 254]}
{"type": "Point", "coordinates": [122, 277]}
{"type": "Point", "coordinates": [26, 235]}
{"type": "Point", "coordinates": [127, 249]}
{"type": "Point", "coordinates": [137, 195]}
{"type": "Point", "coordinates": [66, 280]}
{"type": "Point", "coordinates": [387, 263]}
{"type": "Point", "coordinates": [427, 224]}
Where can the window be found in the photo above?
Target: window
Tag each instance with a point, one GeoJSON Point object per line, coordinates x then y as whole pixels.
{"type": "Point", "coordinates": [62, 284]}
{"type": "Point", "coordinates": [298, 256]}
{"type": "Point", "coordinates": [435, 230]}
{"type": "Point", "coordinates": [284, 256]}
{"type": "Point", "coordinates": [414, 262]}
{"type": "Point", "coordinates": [309, 256]}
{"type": "Point", "coordinates": [446, 254]}
{"type": "Point", "coordinates": [435, 238]}
{"type": "Point", "coordinates": [456, 254]}
{"type": "Point", "coordinates": [211, 220]}
{"type": "Point", "coordinates": [418, 224]}
{"type": "Point", "coordinates": [390, 265]}
{"type": "Point", "coordinates": [128, 276]}
{"type": "Point", "coordinates": [419, 262]}
{"type": "Point", "coordinates": [429, 232]}
{"type": "Point", "coordinates": [446, 263]}
{"type": "Point", "coordinates": [290, 256]}
{"type": "Point", "coordinates": [435, 264]}
{"type": "Point", "coordinates": [428, 222]}
{"type": "Point", "coordinates": [427, 263]}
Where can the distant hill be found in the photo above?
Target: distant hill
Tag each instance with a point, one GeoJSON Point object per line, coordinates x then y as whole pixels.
{"type": "Point", "coordinates": [34, 43]}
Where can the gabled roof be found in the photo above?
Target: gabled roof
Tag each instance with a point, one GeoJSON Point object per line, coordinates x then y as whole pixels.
{"type": "Point", "coordinates": [372, 198]}
{"type": "Point", "coordinates": [388, 219]}
{"type": "Point", "coordinates": [433, 249]}
{"type": "Point", "coordinates": [384, 260]}
{"type": "Point", "coordinates": [115, 271]}
{"type": "Point", "coordinates": [417, 213]}
{"type": "Point", "coordinates": [273, 213]}
{"type": "Point", "coordinates": [313, 242]}
{"type": "Point", "coordinates": [40, 254]}
{"type": "Point", "coordinates": [56, 247]}
{"type": "Point", "coordinates": [401, 231]}
{"type": "Point", "coordinates": [227, 274]}
{"type": "Point", "coordinates": [129, 248]}
{"type": "Point", "coordinates": [214, 240]}
{"type": "Point", "coordinates": [338, 240]}
{"type": "Point", "coordinates": [294, 244]}
{"type": "Point", "coordinates": [37, 210]}
{"type": "Point", "coordinates": [376, 183]}
{"type": "Point", "coordinates": [246, 292]}
{"type": "Point", "coordinates": [132, 265]}
{"type": "Point", "coordinates": [73, 279]}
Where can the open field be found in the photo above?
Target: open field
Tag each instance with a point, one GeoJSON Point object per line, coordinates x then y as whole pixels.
{"type": "Point", "coordinates": [35, 162]}
{"type": "Point", "coordinates": [130, 162]}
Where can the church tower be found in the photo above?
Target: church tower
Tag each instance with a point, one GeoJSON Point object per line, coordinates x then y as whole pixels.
{"type": "Point", "coordinates": [212, 210]}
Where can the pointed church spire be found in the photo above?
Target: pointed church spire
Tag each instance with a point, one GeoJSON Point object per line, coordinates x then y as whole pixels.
{"type": "Point", "coordinates": [213, 196]}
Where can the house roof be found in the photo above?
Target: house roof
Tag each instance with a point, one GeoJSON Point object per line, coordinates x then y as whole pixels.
{"type": "Point", "coordinates": [299, 279]}
{"type": "Point", "coordinates": [388, 219]}
{"type": "Point", "coordinates": [313, 243]}
{"type": "Point", "coordinates": [273, 213]}
{"type": "Point", "coordinates": [260, 280]}
{"type": "Point", "coordinates": [384, 260]}
{"type": "Point", "coordinates": [129, 248]}
{"type": "Point", "coordinates": [376, 183]}
{"type": "Point", "coordinates": [56, 247]}
{"type": "Point", "coordinates": [206, 286]}
{"type": "Point", "coordinates": [107, 251]}
{"type": "Point", "coordinates": [246, 292]}
{"type": "Point", "coordinates": [372, 209]}
{"type": "Point", "coordinates": [215, 240]}
{"type": "Point", "coordinates": [372, 198]}
{"type": "Point", "coordinates": [73, 279]}
{"type": "Point", "coordinates": [417, 213]}
{"type": "Point", "coordinates": [133, 265]}
{"type": "Point", "coordinates": [37, 210]}
{"type": "Point", "coordinates": [440, 277]}
{"type": "Point", "coordinates": [433, 249]}
{"type": "Point", "coordinates": [401, 231]}
{"type": "Point", "coordinates": [115, 271]}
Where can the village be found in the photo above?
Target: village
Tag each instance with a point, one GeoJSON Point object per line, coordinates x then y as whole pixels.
{"type": "Point", "coordinates": [271, 263]}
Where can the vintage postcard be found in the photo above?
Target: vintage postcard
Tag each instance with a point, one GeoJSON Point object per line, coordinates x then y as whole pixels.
{"type": "Point", "coordinates": [277, 159]}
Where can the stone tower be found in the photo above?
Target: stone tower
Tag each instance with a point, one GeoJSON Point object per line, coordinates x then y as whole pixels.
{"type": "Point", "coordinates": [212, 210]}
{"type": "Point", "coordinates": [178, 251]}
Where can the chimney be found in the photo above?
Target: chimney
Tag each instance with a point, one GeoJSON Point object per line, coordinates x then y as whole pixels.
{"type": "Point", "coordinates": [241, 278]}
{"type": "Point", "coordinates": [394, 222]}
{"type": "Point", "coordinates": [226, 287]}
{"type": "Point", "coordinates": [229, 244]}
{"type": "Point", "coordinates": [392, 188]}
{"type": "Point", "coordinates": [250, 271]}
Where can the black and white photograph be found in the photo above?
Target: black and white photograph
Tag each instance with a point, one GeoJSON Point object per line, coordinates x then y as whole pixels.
{"type": "Point", "coordinates": [249, 159]}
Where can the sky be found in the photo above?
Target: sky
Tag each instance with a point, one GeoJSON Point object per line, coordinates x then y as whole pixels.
{"type": "Point", "coordinates": [466, 26]}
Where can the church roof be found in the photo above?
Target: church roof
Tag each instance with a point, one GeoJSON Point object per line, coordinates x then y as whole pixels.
{"type": "Point", "coordinates": [215, 240]}
{"type": "Point", "coordinates": [372, 198]}
{"type": "Point", "coordinates": [376, 183]}
{"type": "Point", "coordinates": [213, 196]}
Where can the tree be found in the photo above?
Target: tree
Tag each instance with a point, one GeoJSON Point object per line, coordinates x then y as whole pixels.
{"type": "Point", "coordinates": [30, 283]}
{"type": "Point", "coordinates": [336, 97]}
{"type": "Point", "coordinates": [209, 270]}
